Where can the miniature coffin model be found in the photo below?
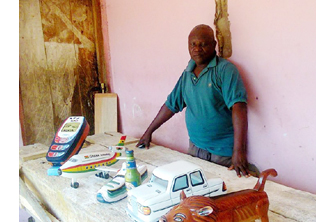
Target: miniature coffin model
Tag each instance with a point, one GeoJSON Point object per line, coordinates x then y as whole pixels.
{"type": "Point", "coordinates": [151, 200]}
{"type": "Point", "coordinates": [84, 165]}
{"type": "Point", "coordinates": [242, 206]}
{"type": "Point", "coordinates": [115, 190]}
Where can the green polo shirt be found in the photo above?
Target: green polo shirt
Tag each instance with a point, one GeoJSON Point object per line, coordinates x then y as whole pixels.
{"type": "Point", "coordinates": [208, 100]}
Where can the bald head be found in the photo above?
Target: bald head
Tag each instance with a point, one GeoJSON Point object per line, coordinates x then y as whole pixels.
{"type": "Point", "coordinates": [205, 29]}
{"type": "Point", "coordinates": [202, 44]}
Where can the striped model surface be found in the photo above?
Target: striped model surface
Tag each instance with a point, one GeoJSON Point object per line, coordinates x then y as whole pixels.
{"type": "Point", "coordinates": [84, 165]}
{"type": "Point", "coordinates": [115, 190]}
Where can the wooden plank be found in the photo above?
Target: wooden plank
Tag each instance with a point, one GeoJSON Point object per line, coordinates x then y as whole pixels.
{"type": "Point", "coordinates": [32, 152]}
{"type": "Point", "coordinates": [21, 117]}
{"type": "Point", "coordinates": [58, 67]}
{"type": "Point", "coordinates": [34, 84]}
{"type": "Point", "coordinates": [86, 71]}
{"type": "Point", "coordinates": [61, 64]}
{"type": "Point", "coordinates": [61, 46]}
{"type": "Point", "coordinates": [32, 204]}
{"type": "Point", "coordinates": [98, 32]}
{"type": "Point", "coordinates": [105, 112]}
{"type": "Point", "coordinates": [69, 41]}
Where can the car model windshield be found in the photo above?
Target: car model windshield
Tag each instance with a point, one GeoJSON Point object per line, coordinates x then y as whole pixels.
{"type": "Point", "coordinates": [163, 184]}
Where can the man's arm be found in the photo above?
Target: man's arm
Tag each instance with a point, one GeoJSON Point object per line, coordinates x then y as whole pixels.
{"type": "Point", "coordinates": [240, 123]}
{"type": "Point", "coordinates": [163, 115]}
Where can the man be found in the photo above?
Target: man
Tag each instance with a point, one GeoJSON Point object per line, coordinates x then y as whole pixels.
{"type": "Point", "coordinates": [212, 91]}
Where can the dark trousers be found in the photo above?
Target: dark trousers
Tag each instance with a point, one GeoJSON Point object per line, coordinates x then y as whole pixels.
{"type": "Point", "coordinates": [205, 155]}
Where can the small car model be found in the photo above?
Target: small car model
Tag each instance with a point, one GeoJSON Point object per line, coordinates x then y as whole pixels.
{"type": "Point", "coordinates": [151, 200]}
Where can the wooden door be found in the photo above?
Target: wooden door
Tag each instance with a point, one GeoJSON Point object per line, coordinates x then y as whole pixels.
{"type": "Point", "coordinates": [58, 65]}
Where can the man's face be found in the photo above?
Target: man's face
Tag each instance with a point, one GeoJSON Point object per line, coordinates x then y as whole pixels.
{"type": "Point", "coordinates": [202, 46]}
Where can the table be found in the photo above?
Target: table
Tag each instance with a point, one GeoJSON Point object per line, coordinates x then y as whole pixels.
{"type": "Point", "coordinates": [51, 198]}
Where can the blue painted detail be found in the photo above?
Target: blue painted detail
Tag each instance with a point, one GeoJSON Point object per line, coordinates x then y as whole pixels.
{"type": "Point", "coordinates": [53, 171]}
{"type": "Point", "coordinates": [100, 198]}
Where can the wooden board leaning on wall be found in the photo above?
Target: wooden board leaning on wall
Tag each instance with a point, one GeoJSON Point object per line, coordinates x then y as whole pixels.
{"type": "Point", "coordinates": [58, 65]}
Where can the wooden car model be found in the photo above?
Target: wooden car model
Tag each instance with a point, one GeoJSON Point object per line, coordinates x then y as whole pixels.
{"type": "Point", "coordinates": [151, 200]}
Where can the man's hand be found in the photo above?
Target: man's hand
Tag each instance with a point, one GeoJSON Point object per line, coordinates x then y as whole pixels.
{"type": "Point", "coordinates": [240, 164]}
{"type": "Point", "coordinates": [144, 140]}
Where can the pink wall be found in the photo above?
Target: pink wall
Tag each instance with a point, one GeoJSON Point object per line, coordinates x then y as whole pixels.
{"type": "Point", "coordinates": [273, 46]}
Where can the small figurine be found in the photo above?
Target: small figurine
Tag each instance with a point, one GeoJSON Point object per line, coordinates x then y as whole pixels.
{"type": "Point", "coordinates": [242, 206]}
{"type": "Point", "coordinates": [116, 190]}
{"type": "Point", "coordinates": [132, 175]}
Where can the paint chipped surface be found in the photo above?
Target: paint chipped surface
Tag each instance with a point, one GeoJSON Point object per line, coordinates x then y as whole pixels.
{"type": "Point", "coordinates": [222, 25]}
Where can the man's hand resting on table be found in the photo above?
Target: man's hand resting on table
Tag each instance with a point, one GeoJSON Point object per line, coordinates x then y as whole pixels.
{"type": "Point", "coordinates": [240, 164]}
{"type": "Point", "coordinates": [144, 141]}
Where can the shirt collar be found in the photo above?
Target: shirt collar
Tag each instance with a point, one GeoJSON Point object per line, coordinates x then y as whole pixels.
{"type": "Point", "coordinates": [191, 64]}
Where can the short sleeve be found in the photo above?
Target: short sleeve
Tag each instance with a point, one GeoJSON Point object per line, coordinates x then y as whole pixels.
{"type": "Point", "coordinates": [233, 88]}
{"type": "Point", "coordinates": [175, 100]}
